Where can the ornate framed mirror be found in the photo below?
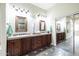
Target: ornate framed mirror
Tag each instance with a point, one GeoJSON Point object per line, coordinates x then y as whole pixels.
{"type": "Point", "coordinates": [20, 24]}
{"type": "Point", "coordinates": [42, 25]}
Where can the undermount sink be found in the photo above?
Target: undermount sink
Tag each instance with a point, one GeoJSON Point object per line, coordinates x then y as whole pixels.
{"type": "Point", "coordinates": [21, 34]}
{"type": "Point", "coordinates": [36, 33]}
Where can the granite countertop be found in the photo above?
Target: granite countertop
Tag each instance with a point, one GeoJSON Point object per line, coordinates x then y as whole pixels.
{"type": "Point", "coordinates": [27, 35]}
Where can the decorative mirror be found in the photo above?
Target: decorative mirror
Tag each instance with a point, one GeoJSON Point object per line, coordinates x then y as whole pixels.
{"type": "Point", "coordinates": [20, 24]}
{"type": "Point", "coordinates": [58, 28]}
{"type": "Point", "coordinates": [42, 25]}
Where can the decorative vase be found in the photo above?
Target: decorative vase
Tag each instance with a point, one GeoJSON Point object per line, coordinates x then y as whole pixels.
{"type": "Point", "coordinates": [9, 30]}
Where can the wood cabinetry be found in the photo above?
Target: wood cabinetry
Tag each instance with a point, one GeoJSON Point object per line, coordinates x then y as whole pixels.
{"type": "Point", "coordinates": [36, 42]}
{"type": "Point", "coordinates": [14, 47]}
{"type": "Point", "coordinates": [44, 41]}
{"type": "Point", "coordinates": [48, 40]}
{"type": "Point", "coordinates": [24, 45]}
{"type": "Point", "coordinates": [60, 37]}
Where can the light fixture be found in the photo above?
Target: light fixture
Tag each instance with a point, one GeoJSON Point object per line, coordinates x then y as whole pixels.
{"type": "Point", "coordinates": [27, 10]}
{"type": "Point", "coordinates": [13, 6]}
{"type": "Point", "coordinates": [16, 9]}
{"type": "Point", "coordinates": [21, 10]}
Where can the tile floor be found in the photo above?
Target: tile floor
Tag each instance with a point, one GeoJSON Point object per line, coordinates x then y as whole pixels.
{"type": "Point", "coordinates": [64, 48]}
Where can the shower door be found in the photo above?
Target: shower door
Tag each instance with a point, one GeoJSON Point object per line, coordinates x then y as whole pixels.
{"type": "Point", "coordinates": [76, 34]}
{"type": "Point", "coordinates": [70, 34]}
{"type": "Point", "coordinates": [65, 25]}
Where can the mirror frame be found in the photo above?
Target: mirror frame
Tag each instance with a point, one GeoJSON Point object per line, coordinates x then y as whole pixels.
{"type": "Point", "coordinates": [42, 25]}
{"type": "Point", "coordinates": [17, 18]}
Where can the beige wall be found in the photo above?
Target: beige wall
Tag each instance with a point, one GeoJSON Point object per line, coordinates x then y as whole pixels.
{"type": "Point", "coordinates": [2, 30]}
{"type": "Point", "coordinates": [31, 17]}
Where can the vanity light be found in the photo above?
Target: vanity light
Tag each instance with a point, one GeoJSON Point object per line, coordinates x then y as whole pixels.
{"type": "Point", "coordinates": [21, 10]}
{"type": "Point", "coordinates": [16, 9]}
{"type": "Point", "coordinates": [27, 10]}
{"type": "Point", "coordinates": [13, 6]}
{"type": "Point", "coordinates": [38, 15]}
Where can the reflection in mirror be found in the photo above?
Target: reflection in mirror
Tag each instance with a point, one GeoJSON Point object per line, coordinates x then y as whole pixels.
{"type": "Point", "coordinates": [58, 27]}
{"type": "Point", "coordinates": [20, 24]}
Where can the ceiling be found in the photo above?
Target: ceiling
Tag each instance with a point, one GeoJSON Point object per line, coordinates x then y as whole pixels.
{"type": "Point", "coordinates": [45, 6]}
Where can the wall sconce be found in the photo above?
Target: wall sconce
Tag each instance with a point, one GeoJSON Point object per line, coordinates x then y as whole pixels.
{"type": "Point", "coordinates": [27, 11]}
{"type": "Point", "coordinates": [16, 9]}
{"type": "Point", "coordinates": [13, 6]}
{"type": "Point", "coordinates": [22, 10]}
{"type": "Point", "coordinates": [19, 8]}
{"type": "Point", "coordinates": [38, 15]}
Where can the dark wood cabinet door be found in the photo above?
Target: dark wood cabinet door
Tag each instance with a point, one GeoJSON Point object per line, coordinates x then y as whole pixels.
{"type": "Point", "coordinates": [10, 47]}
{"type": "Point", "coordinates": [48, 39]}
{"type": "Point", "coordinates": [26, 45]}
{"type": "Point", "coordinates": [36, 42]}
{"type": "Point", "coordinates": [17, 47]}
{"type": "Point", "coordinates": [14, 47]}
{"type": "Point", "coordinates": [44, 41]}
{"type": "Point", "coordinates": [39, 42]}
{"type": "Point", "coordinates": [60, 37]}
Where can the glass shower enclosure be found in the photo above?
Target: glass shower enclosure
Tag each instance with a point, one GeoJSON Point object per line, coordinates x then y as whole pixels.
{"type": "Point", "coordinates": [65, 25]}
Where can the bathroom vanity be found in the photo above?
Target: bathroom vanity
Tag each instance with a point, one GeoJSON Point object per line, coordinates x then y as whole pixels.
{"type": "Point", "coordinates": [60, 36]}
{"type": "Point", "coordinates": [23, 44]}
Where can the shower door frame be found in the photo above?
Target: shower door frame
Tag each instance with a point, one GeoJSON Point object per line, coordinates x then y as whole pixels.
{"type": "Point", "coordinates": [73, 20]}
